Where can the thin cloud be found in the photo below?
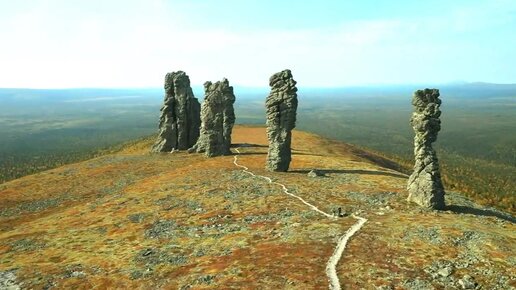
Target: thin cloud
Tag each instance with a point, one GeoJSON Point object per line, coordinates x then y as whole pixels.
{"type": "Point", "coordinates": [134, 43]}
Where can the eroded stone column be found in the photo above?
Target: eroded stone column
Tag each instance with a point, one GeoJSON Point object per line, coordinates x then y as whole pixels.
{"type": "Point", "coordinates": [281, 105]}
{"type": "Point", "coordinates": [424, 185]}
{"type": "Point", "coordinates": [180, 115]}
{"type": "Point", "coordinates": [217, 118]}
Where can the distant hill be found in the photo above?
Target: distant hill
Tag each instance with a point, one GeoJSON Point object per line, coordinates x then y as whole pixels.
{"type": "Point", "coordinates": [396, 92]}
{"type": "Point", "coordinates": [135, 220]}
{"type": "Point", "coordinates": [454, 90]}
{"type": "Point", "coordinates": [480, 90]}
{"type": "Point", "coordinates": [38, 96]}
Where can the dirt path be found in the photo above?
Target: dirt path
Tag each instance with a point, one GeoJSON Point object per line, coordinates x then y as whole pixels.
{"type": "Point", "coordinates": [331, 266]}
{"type": "Point", "coordinates": [285, 190]}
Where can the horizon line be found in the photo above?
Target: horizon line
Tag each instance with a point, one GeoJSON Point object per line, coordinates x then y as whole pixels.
{"type": "Point", "coordinates": [267, 87]}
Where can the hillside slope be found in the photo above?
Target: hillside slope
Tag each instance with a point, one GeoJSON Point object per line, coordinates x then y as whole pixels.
{"type": "Point", "coordinates": [138, 220]}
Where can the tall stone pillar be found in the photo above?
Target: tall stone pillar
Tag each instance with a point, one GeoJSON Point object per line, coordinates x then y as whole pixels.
{"type": "Point", "coordinates": [424, 185]}
{"type": "Point", "coordinates": [281, 105]}
{"type": "Point", "coordinates": [217, 118]}
{"type": "Point", "coordinates": [180, 115]}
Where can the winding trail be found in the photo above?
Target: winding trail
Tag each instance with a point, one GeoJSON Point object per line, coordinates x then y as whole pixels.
{"type": "Point", "coordinates": [285, 190]}
{"type": "Point", "coordinates": [331, 266]}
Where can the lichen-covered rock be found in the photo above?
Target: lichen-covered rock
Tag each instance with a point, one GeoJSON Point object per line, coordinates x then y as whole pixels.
{"type": "Point", "coordinates": [424, 185]}
{"type": "Point", "coordinates": [217, 120]}
{"type": "Point", "coordinates": [281, 105]}
{"type": "Point", "coordinates": [179, 122]}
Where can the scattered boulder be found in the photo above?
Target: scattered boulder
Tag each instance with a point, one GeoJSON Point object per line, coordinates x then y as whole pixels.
{"type": "Point", "coordinates": [424, 185]}
{"type": "Point", "coordinates": [281, 105]}
{"type": "Point", "coordinates": [316, 173]}
{"type": "Point", "coordinates": [217, 119]}
{"type": "Point", "coordinates": [180, 115]}
{"type": "Point", "coordinates": [467, 282]}
{"type": "Point", "coordinates": [441, 271]}
{"type": "Point", "coordinates": [445, 272]}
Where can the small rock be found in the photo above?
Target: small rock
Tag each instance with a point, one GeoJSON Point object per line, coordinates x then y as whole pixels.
{"type": "Point", "coordinates": [467, 282]}
{"type": "Point", "coordinates": [315, 173]}
{"type": "Point", "coordinates": [77, 274]}
{"type": "Point", "coordinates": [445, 272]}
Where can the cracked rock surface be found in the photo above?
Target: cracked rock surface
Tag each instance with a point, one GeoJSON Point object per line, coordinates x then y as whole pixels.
{"type": "Point", "coordinates": [424, 185]}
{"type": "Point", "coordinates": [281, 106]}
{"type": "Point", "coordinates": [217, 118]}
{"type": "Point", "coordinates": [179, 122]}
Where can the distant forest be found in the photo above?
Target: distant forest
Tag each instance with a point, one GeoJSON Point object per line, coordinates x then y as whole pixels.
{"type": "Point", "coordinates": [42, 129]}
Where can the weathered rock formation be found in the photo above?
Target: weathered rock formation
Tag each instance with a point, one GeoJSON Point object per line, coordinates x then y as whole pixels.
{"type": "Point", "coordinates": [281, 105]}
{"type": "Point", "coordinates": [217, 119]}
{"type": "Point", "coordinates": [424, 185]}
{"type": "Point", "coordinates": [179, 122]}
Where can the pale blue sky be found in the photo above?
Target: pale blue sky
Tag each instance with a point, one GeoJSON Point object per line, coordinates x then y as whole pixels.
{"type": "Point", "coordinates": [102, 43]}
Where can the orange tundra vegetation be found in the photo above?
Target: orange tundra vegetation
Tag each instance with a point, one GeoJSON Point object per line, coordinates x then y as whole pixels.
{"type": "Point", "coordinates": [133, 219]}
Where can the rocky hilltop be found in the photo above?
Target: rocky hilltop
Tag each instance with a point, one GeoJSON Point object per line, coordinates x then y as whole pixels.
{"type": "Point", "coordinates": [137, 220]}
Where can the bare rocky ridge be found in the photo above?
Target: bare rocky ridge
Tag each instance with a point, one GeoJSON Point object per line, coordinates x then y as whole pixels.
{"type": "Point", "coordinates": [424, 185]}
{"type": "Point", "coordinates": [180, 115]}
{"type": "Point", "coordinates": [218, 118]}
{"type": "Point", "coordinates": [133, 220]}
{"type": "Point", "coordinates": [281, 105]}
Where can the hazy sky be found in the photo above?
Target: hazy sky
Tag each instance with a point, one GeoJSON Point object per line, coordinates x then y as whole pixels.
{"type": "Point", "coordinates": [111, 43]}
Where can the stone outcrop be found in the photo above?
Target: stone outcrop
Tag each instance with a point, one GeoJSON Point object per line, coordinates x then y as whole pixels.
{"type": "Point", "coordinates": [217, 119]}
{"type": "Point", "coordinates": [424, 185]}
{"type": "Point", "coordinates": [281, 105]}
{"type": "Point", "coordinates": [179, 122]}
